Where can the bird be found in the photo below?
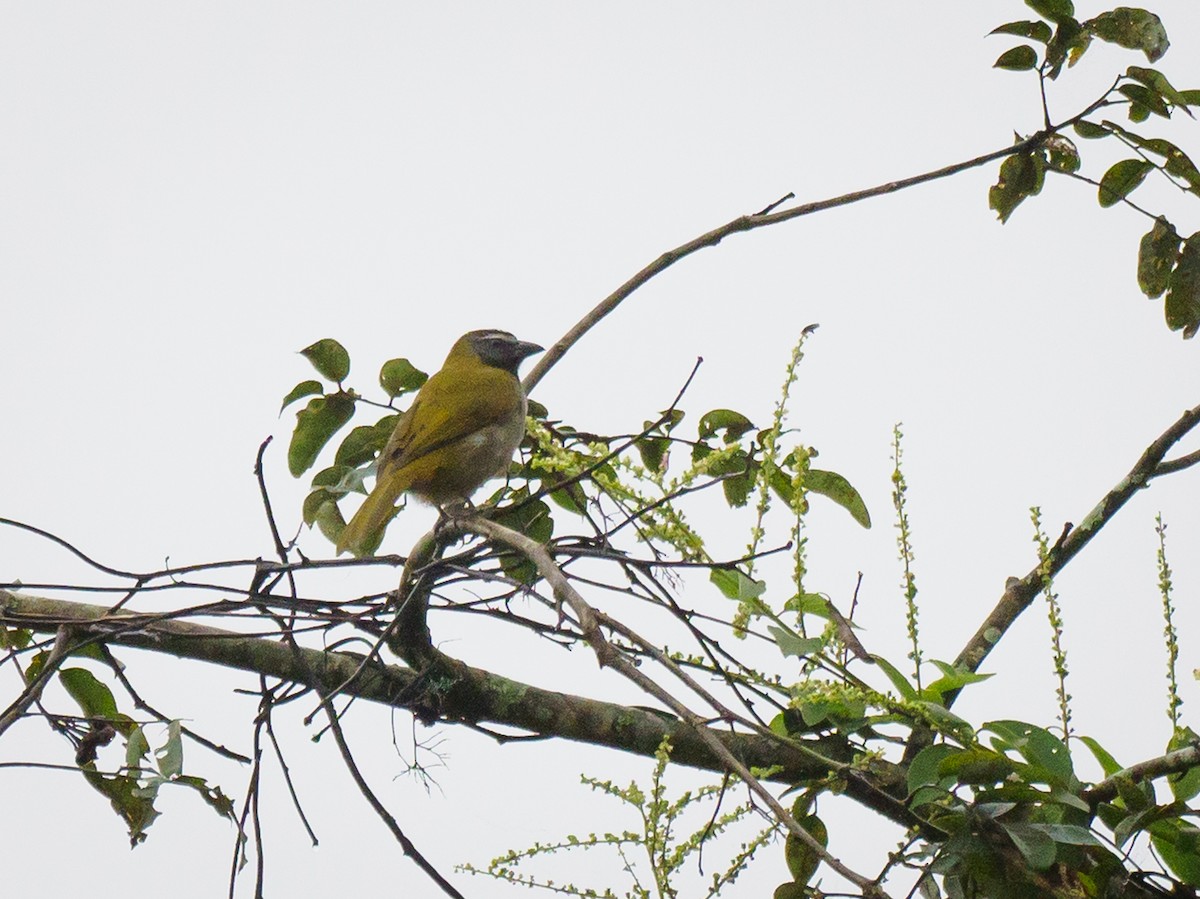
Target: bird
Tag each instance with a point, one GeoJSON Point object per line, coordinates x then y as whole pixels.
{"type": "Point", "coordinates": [460, 431]}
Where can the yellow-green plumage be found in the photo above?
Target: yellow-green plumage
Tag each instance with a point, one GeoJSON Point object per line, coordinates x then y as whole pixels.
{"type": "Point", "coordinates": [460, 431]}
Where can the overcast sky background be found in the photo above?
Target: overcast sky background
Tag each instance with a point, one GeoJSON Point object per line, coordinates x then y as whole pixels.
{"type": "Point", "coordinates": [190, 193]}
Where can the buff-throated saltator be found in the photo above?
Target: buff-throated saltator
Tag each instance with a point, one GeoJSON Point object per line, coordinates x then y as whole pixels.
{"type": "Point", "coordinates": [461, 430]}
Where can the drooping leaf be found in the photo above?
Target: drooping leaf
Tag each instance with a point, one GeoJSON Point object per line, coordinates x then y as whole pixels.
{"type": "Point", "coordinates": [1183, 294]}
{"type": "Point", "coordinates": [1019, 59]}
{"type": "Point", "coordinates": [532, 519]}
{"type": "Point", "coordinates": [1035, 845]}
{"type": "Point", "coordinates": [315, 424]}
{"type": "Point", "coordinates": [1157, 254]}
{"type": "Point", "coordinates": [925, 769]}
{"type": "Point", "coordinates": [654, 451]}
{"type": "Point", "coordinates": [211, 794]}
{"type": "Point", "coordinates": [399, 376]}
{"type": "Point", "coordinates": [1133, 29]}
{"type": "Point", "coordinates": [304, 388]}
{"type": "Point", "coordinates": [1121, 179]}
{"type": "Point", "coordinates": [802, 859]}
{"type": "Point", "coordinates": [127, 798]}
{"type": "Point", "coordinates": [1068, 44]}
{"type": "Point", "coordinates": [1179, 845]}
{"type": "Point", "coordinates": [1185, 785]}
{"type": "Point", "coordinates": [329, 358]}
{"type": "Point", "coordinates": [1021, 176]}
{"type": "Point", "coordinates": [835, 487]}
{"type": "Point", "coordinates": [170, 754]}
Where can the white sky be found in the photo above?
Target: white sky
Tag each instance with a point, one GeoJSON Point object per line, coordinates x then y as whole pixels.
{"type": "Point", "coordinates": [189, 193]}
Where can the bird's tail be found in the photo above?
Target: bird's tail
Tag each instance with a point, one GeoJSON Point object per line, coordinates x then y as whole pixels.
{"type": "Point", "coordinates": [363, 533]}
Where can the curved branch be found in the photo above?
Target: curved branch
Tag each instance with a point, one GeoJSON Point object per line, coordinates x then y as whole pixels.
{"type": "Point", "coordinates": [771, 216]}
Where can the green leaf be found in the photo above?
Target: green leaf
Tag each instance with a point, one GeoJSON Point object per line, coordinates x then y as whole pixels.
{"type": "Point", "coordinates": [1037, 846]}
{"type": "Point", "coordinates": [792, 645]}
{"type": "Point", "coordinates": [329, 358]}
{"type": "Point", "coordinates": [1133, 29]}
{"type": "Point", "coordinates": [732, 425]}
{"type": "Point", "coordinates": [125, 795]}
{"type": "Point", "coordinates": [1037, 31]}
{"type": "Point", "coordinates": [315, 424]}
{"type": "Point", "coordinates": [532, 519]}
{"type": "Point", "coordinates": [1064, 156]}
{"type": "Point", "coordinates": [170, 754]}
{"type": "Point", "coordinates": [977, 766]}
{"type": "Point", "coordinates": [1157, 82]}
{"type": "Point", "coordinates": [365, 442]}
{"type": "Point", "coordinates": [212, 795]}
{"type": "Point", "coordinates": [1179, 845]}
{"type": "Point", "coordinates": [1090, 130]}
{"type": "Point", "coordinates": [1108, 764]}
{"type": "Point", "coordinates": [791, 890]}
{"type": "Point", "coordinates": [1185, 785]}
{"type": "Point", "coordinates": [802, 859]}
{"type": "Point", "coordinates": [329, 521]}
{"type": "Point", "coordinates": [314, 504]}
{"type": "Point", "coordinates": [136, 749]}
{"type": "Point", "coordinates": [1019, 59]}
{"type": "Point", "coordinates": [1046, 753]}
{"type": "Point", "coordinates": [1183, 294]}
{"type": "Point", "coordinates": [926, 766]}
{"type": "Point", "coordinates": [655, 452]}
{"type": "Point", "coordinates": [304, 388]}
{"type": "Point", "coordinates": [14, 638]}
{"type": "Point", "coordinates": [1070, 834]}
{"type": "Point", "coordinates": [1176, 161]}
{"type": "Point", "coordinates": [1144, 98]}
{"type": "Point", "coordinates": [1021, 176]}
{"type": "Point", "coordinates": [1157, 254]}
{"type": "Point", "coordinates": [1052, 9]}
{"type": "Point", "coordinates": [899, 681]}
{"type": "Point", "coordinates": [835, 487]}
{"type": "Point", "coordinates": [1069, 43]}
{"type": "Point", "coordinates": [952, 680]}
{"type": "Point", "coordinates": [399, 376]}
{"type": "Point", "coordinates": [1121, 180]}
{"type": "Point", "coordinates": [736, 585]}
{"type": "Point", "coordinates": [93, 696]}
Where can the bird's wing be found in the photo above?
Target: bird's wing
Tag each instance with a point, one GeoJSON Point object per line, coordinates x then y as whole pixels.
{"type": "Point", "coordinates": [458, 403]}
{"type": "Point", "coordinates": [452, 405]}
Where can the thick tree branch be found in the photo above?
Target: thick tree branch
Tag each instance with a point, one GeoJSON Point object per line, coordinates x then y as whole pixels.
{"type": "Point", "coordinates": [475, 695]}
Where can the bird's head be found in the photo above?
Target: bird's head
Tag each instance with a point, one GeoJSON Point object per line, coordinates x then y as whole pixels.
{"type": "Point", "coordinates": [493, 347]}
